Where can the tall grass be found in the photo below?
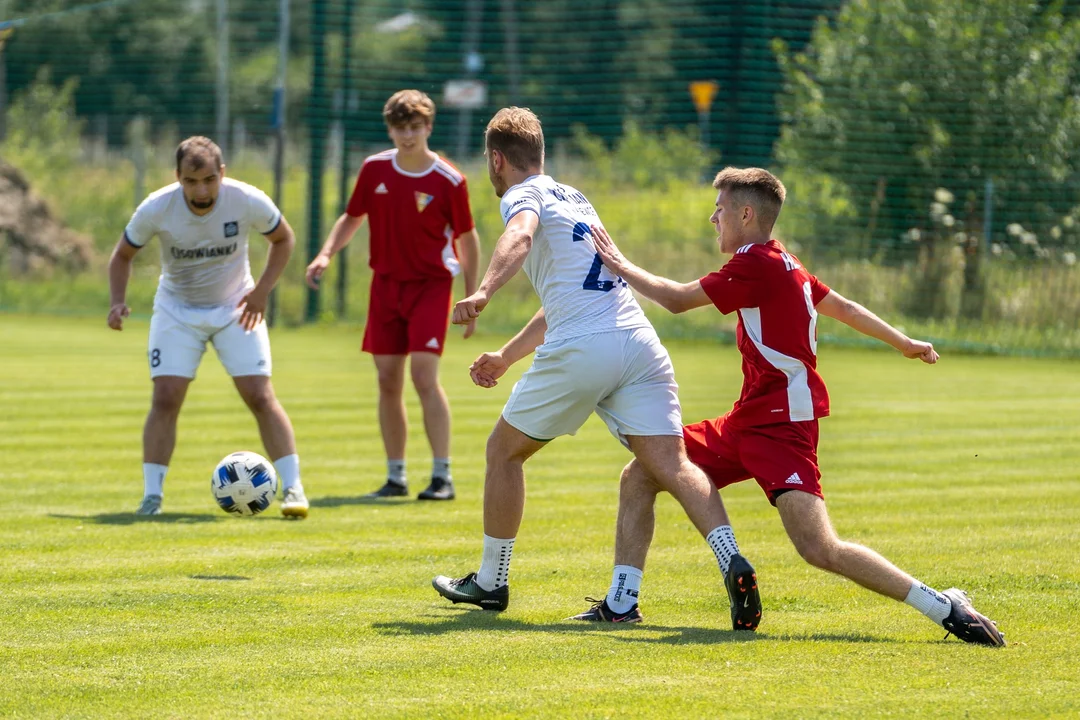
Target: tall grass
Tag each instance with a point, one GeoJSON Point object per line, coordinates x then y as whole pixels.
{"type": "Point", "coordinates": [1031, 307]}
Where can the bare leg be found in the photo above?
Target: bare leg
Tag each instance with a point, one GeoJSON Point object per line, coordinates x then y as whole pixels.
{"type": "Point", "coordinates": [504, 480]}
{"type": "Point", "coordinates": [159, 432]}
{"type": "Point", "coordinates": [504, 504]}
{"type": "Point", "coordinates": [274, 426]}
{"type": "Point", "coordinates": [425, 378]}
{"type": "Point", "coordinates": [663, 457]}
{"type": "Point", "coordinates": [661, 463]}
{"type": "Point", "coordinates": [392, 420]}
{"type": "Point", "coordinates": [637, 518]}
{"type": "Point", "coordinates": [807, 523]}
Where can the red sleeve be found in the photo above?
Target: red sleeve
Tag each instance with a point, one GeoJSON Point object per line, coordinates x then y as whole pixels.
{"type": "Point", "coordinates": [461, 220]}
{"type": "Point", "coordinates": [818, 290]}
{"type": "Point", "coordinates": [358, 203]}
{"type": "Point", "coordinates": [736, 285]}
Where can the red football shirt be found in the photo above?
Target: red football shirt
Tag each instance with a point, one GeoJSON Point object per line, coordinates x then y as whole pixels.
{"type": "Point", "coordinates": [414, 218]}
{"type": "Point", "coordinates": [777, 333]}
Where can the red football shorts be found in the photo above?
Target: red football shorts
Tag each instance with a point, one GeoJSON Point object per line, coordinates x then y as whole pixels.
{"type": "Point", "coordinates": [407, 317]}
{"type": "Point", "coordinates": [780, 457]}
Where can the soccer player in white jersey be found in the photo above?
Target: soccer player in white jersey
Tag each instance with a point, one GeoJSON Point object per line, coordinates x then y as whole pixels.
{"type": "Point", "coordinates": [595, 352]}
{"type": "Point", "coordinates": [206, 294]}
{"type": "Point", "coordinates": [771, 433]}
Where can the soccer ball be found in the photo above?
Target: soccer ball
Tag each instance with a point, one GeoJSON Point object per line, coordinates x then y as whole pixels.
{"type": "Point", "coordinates": [244, 483]}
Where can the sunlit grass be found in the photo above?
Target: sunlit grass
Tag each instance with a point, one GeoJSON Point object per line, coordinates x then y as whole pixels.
{"type": "Point", "coordinates": [963, 473]}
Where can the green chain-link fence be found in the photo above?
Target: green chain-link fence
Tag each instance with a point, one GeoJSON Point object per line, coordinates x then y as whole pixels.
{"type": "Point", "coordinates": [928, 146]}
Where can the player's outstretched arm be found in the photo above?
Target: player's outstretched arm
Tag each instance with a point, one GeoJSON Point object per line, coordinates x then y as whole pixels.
{"type": "Point", "coordinates": [470, 268]}
{"type": "Point", "coordinates": [673, 296]}
{"type": "Point", "coordinates": [489, 367]}
{"type": "Point", "coordinates": [119, 274]}
{"type": "Point", "coordinates": [340, 235]}
{"type": "Point", "coordinates": [508, 257]}
{"type": "Point", "coordinates": [854, 315]}
{"type": "Point", "coordinates": [282, 241]}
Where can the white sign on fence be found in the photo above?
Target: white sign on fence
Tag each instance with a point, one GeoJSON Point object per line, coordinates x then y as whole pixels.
{"type": "Point", "coordinates": [465, 94]}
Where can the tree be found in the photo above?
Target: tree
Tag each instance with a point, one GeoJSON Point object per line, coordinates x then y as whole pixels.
{"type": "Point", "coordinates": [901, 98]}
{"type": "Point", "coordinates": [154, 58]}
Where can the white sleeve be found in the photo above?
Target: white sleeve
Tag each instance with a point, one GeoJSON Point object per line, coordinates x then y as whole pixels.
{"type": "Point", "coordinates": [144, 223]}
{"type": "Point", "coordinates": [263, 214]}
{"type": "Point", "coordinates": [519, 199]}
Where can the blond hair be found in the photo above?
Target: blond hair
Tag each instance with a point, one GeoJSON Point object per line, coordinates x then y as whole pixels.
{"type": "Point", "coordinates": [201, 151]}
{"type": "Point", "coordinates": [404, 106]}
{"type": "Point", "coordinates": [517, 134]}
{"type": "Point", "coordinates": [758, 188]}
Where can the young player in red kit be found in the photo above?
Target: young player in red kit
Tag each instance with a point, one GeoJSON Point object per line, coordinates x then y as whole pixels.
{"type": "Point", "coordinates": [771, 434]}
{"type": "Point", "coordinates": [417, 205]}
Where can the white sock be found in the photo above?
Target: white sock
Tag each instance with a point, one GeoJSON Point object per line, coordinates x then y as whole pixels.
{"type": "Point", "coordinates": [929, 602]}
{"type": "Point", "coordinates": [495, 566]}
{"type": "Point", "coordinates": [153, 478]}
{"type": "Point", "coordinates": [722, 542]}
{"type": "Point", "coordinates": [395, 471]}
{"type": "Point", "coordinates": [288, 471]}
{"type": "Point", "coordinates": [440, 467]}
{"type": "Point", "coordinates": [625, 586]}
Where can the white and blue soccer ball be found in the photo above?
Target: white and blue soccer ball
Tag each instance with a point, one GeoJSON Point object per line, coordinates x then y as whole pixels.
{"type": "Point", "coordinates": [244, 483]}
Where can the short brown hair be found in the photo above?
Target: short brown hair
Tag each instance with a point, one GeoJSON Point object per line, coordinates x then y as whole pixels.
{"type": "Point", "coordinates": [404, 106]}
{"type": "Point", "coordinates": [201, 150]}
{"type": "Point", "coordinates": [517, 134]}
{"type": "Point", "coordinates": [758, 188]}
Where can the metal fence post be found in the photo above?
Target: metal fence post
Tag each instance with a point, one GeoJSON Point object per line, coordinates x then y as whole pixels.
{"type": "Point", "coordinates": [278, 125]}
{"type": "Point", "coordinates": [317, 123]}
{"type": "Point", "coordinates": [343, 177]}
{"type": "Point", "coordinates": [222, 94]}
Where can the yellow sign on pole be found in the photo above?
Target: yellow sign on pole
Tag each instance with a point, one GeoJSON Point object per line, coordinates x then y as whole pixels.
{"type": "Point", "coordinates": [703, 92]}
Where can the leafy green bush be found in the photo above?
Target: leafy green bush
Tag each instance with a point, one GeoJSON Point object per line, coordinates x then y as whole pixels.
{"type": "Point", "coordinates": [640, 159]}
{"type": "Point", "coordinates": [43, 132]}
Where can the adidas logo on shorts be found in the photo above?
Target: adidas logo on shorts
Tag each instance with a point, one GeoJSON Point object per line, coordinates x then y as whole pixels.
{"type": "Point", "coordinates": [794, 479]}
{"type": "Point", "coordinates": [433, 343]}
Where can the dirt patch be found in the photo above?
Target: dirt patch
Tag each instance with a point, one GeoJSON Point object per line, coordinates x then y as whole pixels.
{"type": "Point", "coordinates": [32, 238]}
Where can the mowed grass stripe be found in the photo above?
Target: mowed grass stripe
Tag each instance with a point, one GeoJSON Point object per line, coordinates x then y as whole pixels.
{"type": "Point", "coordinates": [202, 615]}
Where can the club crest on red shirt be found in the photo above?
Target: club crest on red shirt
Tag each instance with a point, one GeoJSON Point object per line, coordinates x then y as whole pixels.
{"type": "Point", "coordinates": [423, 200]}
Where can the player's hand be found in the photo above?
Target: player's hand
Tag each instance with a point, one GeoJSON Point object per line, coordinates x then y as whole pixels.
{"type": "Point", "coordinates": [488, 368]}
{"type": "Point", "coordinates": [466, 311]}
{"type": "Point", "coordinates": [315, 270]}
{"type": "Point", "coordinates": [919, 350]}
{"type": "Point", "coordinates": [605, 248]}
{"type": "Point", "coordinates": [469, 329]}
{"type": "Point", "coordinates": [117, 313]}
{"type": "Point", "coordinates": [254, 304]}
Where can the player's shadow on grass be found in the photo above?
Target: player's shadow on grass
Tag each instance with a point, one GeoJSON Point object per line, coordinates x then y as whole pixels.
{"type": "Point", "coordinates": [468, 620]}
{"type": "Point", "coordinates": [346, 500]}
{"type": "Point", "coordinates": [129, 518]}
{"type": "Point", "coordinates": [708, 636]}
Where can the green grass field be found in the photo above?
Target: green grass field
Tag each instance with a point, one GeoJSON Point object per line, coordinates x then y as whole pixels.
{"type": "Point", "coordinates": [964, 474]}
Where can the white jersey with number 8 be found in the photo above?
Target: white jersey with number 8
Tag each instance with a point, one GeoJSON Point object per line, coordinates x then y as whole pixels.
{"type": "Point", "coordinates": [204, 259]}
{"type": "Point", "coordinates": [579, 294]}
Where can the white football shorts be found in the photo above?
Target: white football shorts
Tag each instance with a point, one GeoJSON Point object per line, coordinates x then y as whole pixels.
{"type": "Point", "coordinates": [179, 334]}
{"type": "Point", "coordinates": [625, 376]}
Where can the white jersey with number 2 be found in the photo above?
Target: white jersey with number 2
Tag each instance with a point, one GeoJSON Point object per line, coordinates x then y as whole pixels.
{"type": "Point", "coordinates": [579, 294]}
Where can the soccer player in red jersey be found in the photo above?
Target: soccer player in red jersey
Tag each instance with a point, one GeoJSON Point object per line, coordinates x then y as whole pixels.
{"type": "Point", "coordinates": [417, 205]}
{"type": "Point", "coordinates": [771, 434]}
